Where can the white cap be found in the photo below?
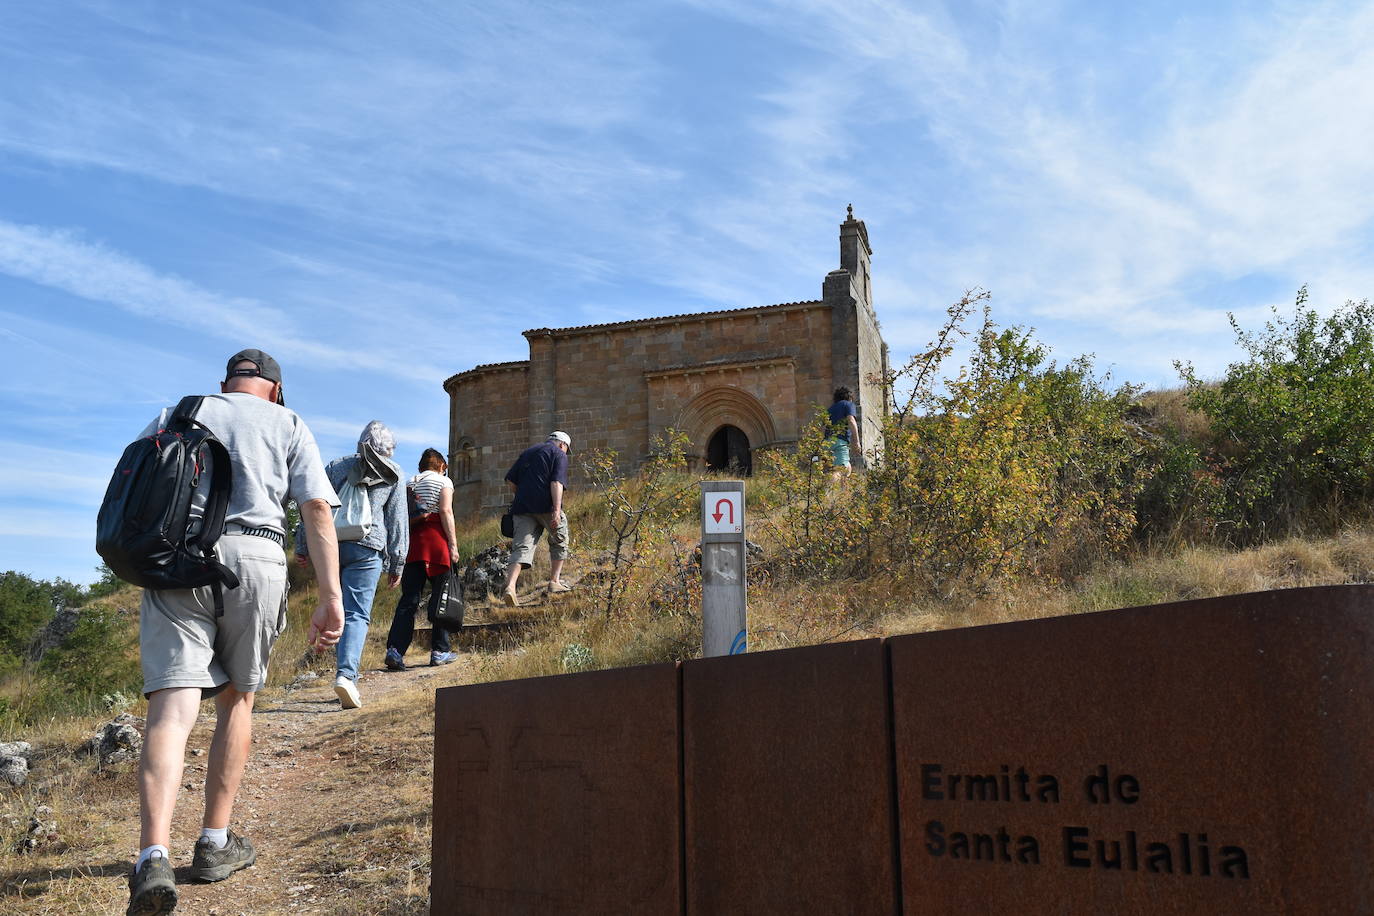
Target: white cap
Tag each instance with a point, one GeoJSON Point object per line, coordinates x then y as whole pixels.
{"type": "Point", "coordinates": [559, 436]}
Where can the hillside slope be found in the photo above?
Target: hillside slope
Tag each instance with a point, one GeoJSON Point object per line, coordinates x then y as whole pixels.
{"type": "Point", "coordinates": [338, 803]}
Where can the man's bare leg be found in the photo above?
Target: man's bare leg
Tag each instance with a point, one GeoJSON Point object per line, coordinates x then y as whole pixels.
{"type": "Point", "coordinates": [171, 716]}
{"type": "Point", "coordinates": [228, 754]}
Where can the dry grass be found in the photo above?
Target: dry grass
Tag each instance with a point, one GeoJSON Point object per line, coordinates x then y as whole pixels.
{"type": "Point", "coordinates": [339, 804]}
{"type": "Point", "coordinates": [349, 806]}
{"type": "Point", "coordinates": [1169, 409]}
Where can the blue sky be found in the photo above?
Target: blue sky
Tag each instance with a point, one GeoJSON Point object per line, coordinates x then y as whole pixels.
{"type": "Point", "coordinates": [381, 194]}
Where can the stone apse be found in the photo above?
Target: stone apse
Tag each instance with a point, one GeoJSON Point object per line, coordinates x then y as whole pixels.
{"type": "Point", "coordinates": [733, 381]}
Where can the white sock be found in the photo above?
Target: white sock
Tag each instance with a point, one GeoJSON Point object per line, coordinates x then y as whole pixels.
{"type": "Point", "coordinates": [154, 850]}
{"type": "Point", "coordinates": [217, 835]}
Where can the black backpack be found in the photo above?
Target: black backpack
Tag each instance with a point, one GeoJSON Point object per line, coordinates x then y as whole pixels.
{"type": "Point", "coordinates": [164, 508]}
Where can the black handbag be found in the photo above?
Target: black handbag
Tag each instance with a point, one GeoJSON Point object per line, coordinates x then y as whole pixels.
{"type": "Point", "coordinates": [449, 610]}
{"type": "Point", "coordinates": [508, 526]}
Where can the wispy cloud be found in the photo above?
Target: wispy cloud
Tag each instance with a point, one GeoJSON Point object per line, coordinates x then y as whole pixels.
{"type": "Point", "coordinates": [57, 476]}
{"type": "Point", "coordinates": [1097, 220]}
{"type": "Point", "coordinates": [424, 119]}
{"type": "Point", "coordinates": [63, 260]}
{"type": "Point", "coordinates": [346, 431]}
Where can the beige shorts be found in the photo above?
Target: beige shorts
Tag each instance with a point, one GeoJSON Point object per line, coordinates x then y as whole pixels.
{"type": "Point", "coordinates": [183, 644]}
{"type": "Point", "coordinates": [528, 530]}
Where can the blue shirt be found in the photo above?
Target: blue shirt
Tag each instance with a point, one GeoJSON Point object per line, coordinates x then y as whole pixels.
{"type": "Point", "coordinates": [839, 411]}
{"type": "Point", "coordinates": [536, 468]}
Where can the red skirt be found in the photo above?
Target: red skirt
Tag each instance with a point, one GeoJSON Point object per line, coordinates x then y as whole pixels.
{"type": "Point", "coordinates": [429, 544]}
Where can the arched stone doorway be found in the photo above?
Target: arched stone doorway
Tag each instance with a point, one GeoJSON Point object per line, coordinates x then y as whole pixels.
{"type": "Point", "coordinates": [708, 420]}
{"type": "Point", "coordinates": [728, 450]}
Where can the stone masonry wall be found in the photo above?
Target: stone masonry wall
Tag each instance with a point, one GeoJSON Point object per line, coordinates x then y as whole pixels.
{"type": "Point", "coordinates": [620, 385]}
{"type": "Point", "coordinates": [488, 413]}
{"type": "Point", "coordinates": [617, 386]}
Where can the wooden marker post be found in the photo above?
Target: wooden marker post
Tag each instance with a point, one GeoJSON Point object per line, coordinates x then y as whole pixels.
{"type": "Point", "coordinates": [723, 568]}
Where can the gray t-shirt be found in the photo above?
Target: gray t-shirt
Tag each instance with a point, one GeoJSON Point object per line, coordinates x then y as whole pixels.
{"type": "Point", "coordinates": [273, 454]}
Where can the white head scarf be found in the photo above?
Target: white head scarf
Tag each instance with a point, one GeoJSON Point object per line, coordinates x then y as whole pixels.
{"type": "Point", "coordinates": [379, 437]}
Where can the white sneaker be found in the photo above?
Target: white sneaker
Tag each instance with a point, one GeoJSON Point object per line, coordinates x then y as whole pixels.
{"type": "Point", "coordinates": [348, 692]}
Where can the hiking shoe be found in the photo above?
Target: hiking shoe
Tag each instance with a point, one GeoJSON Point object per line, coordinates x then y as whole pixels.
{"type": "Point", "coordinates": [211, 864]}
{"type": "Point", "coordinates": [152, 889]}
{"type": "Point", "coordinates": [394, 661]}
{"type": "Point", "coordinates": [511, 599]}
{"type": "Point", "coordinates": [442, 658]}
{"type": "Point", "coordinates": [558, 588]}
{"type": "Point", "coordinates": [347, 691]}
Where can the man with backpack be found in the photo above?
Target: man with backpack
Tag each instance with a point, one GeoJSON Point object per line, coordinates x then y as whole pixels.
{"type": "Point", "coordinates": [205, 642]}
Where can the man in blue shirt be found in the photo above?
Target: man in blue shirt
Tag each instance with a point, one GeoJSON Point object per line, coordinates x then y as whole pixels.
{"type": "Point", "coordinates": [539, 477]}
{"type": "Point", "coordinates": [844, 431]}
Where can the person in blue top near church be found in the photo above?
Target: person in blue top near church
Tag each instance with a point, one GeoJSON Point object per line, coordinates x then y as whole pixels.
{"type": "Point", "coordinates": [539, 477]}
{"type": "Point", "coordinates": [844, 431]}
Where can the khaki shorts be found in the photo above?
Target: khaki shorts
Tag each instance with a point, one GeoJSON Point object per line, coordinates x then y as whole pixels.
{"type": "Point", "coordinates": [183, 644]}
{"type": "Point", "coordinates": [528, 530]}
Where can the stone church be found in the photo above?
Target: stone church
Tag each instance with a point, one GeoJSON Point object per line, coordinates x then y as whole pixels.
{"type": "Point", "coordinates": [734, 381]}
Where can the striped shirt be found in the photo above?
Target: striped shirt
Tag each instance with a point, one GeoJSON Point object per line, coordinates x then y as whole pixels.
{"type": "Point", "coordinates": [427, 485]}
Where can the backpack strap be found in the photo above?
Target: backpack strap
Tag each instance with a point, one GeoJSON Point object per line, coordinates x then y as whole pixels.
{"type": "Point", "coordinates": [227, 578]}
{"type": "Point", "coordinates": [185, 414]}
{"type": "Point", "coordinates": [186, 409]}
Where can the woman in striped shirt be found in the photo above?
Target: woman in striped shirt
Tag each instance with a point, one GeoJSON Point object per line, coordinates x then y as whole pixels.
{"type": "Point", "coordinates": [433, 549]}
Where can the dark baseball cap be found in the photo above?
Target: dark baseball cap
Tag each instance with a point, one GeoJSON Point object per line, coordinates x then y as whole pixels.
{"type": "Point", "coordinates": [266, 367]}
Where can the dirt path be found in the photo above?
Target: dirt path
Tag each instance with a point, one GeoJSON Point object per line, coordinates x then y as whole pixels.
{"type": "Point", "coordinates": [336, 801]}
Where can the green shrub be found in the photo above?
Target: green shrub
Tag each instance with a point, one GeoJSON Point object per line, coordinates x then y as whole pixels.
{"type": "Point", "coordinates": [816, 525]}
{"type": "Point", "coordinates": [1014, 465]}
{"type": "Point", "coordinates": [1294, 422]}
{"type": "Point", "coordinates": [26, 605]}
{"type": "Point", "coordinates": [638, 515]}
{"type": "Point", "coordinates": [99, 657]}
{"type": "Point", "coordinates": [1180, 500]}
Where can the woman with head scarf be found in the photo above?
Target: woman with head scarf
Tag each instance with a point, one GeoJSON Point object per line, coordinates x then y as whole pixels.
{"type": "Point", "coordinates": [382, 545]}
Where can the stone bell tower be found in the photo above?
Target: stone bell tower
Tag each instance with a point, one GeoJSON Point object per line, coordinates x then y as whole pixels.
{"type": "Point", "coordinates": [858, 355]}
{"type": "Point", "coordinates": [856, 257]}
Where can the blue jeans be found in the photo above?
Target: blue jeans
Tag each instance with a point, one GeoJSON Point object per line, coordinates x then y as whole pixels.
{"type": "Point", "coordinates": [359, 569]}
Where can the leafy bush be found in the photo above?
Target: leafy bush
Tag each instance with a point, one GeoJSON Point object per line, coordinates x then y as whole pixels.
{"type": "Point", "coordinates": [816, 524]}
{"type": "Point", "coordinates": [640, 513]}
{"type": "Point", "coordinates": [1015, 465]}
{"type": "Point", "coordinates": [1294, 422]}
{"type": "Point", "coordinates": [26, 604]}
{"type": "Point", "coordinates": [1180, 501]}
{"type": "Point", "coordinates": [99, 657]}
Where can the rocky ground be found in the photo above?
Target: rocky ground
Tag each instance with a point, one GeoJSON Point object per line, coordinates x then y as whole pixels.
{"type": "Point", "coordinates": [336, 801]}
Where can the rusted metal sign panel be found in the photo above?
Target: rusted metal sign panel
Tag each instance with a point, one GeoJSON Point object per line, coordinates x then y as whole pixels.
{"type": "Point", "coordinates": [788, 782]}
{"type": "Point", "coordinates": [558, 795]}
{"type": "Point", "coordinates": [1204, 757]}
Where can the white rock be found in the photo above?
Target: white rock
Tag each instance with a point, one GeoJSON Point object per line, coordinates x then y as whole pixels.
{"type": "Point", "coordinates": [14, 770]}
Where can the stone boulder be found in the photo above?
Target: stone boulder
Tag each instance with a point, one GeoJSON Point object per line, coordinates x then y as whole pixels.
{"type": "Point", "coordinates": [55, 632]}
{"type": "Point", "coordinates": [115, 741]}
{"type": "Point", "coordinates": [16, 749]}
{"type": "Point", "coordinates": [42, 831]}
{"type": "Point", "coordinates": [14, 770]}
{"type": "Point", "coordinates": [486, 573]}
